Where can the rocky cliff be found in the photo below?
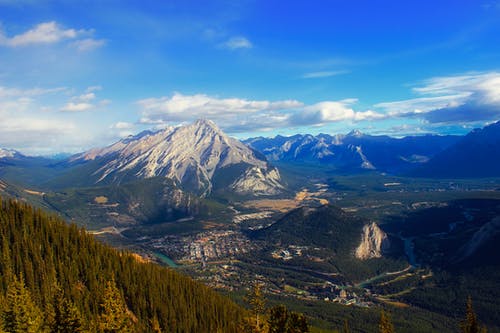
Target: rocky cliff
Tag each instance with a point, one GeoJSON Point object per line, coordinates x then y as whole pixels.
{"type": "Point", "coordinates": [373, 242]}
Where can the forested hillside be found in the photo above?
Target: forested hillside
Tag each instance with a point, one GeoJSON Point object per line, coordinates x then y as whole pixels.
{"type": "Point", "coordinates": [54, 275]}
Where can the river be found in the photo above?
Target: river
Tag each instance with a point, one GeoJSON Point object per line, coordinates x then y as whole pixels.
{"type": "Point", "coordinates": [166, 260]}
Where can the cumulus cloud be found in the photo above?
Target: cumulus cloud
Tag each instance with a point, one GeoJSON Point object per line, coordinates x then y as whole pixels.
{"type": "Point", "coordinates": [332, 111]}
{"type": "Point", "coordinates": [51, 33]}
{"type": "Point", "coordinates": [76, 107]}
{"type": "Point", "coordinates": [181, 107]}
{"type": "Point", "coordinates": [242, 115]}
{"type": "Point", "coordinates": [43, 33]}
{"type": "Point", "coordinates": [238, 42]}
{"type": "Point", "coordinates": [450, 99]}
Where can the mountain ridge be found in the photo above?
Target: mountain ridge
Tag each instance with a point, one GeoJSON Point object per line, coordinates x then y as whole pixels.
{"type": "Point", "coordinates": [476, 155]}
{"type": "Point", "coordinates": [353, 151]}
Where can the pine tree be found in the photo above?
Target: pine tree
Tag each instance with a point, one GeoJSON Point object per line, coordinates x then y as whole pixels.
{"type": "Point", "coordinates": [471, 324]}
{"type": "Point", "coordinates": [297, 323]}
{"type": "Point", "coordinates": [21, 315]}
{"type": "Point", "coordinates": [278, 318]}
{"type": "Point", "coordinates": [385, 324]}
{"type": "Point", "coordinates": [66, 317]}
{"type": "Point", "coordinates": [255, 323]}
{"type": "Point", "coordinates": [114, 316]}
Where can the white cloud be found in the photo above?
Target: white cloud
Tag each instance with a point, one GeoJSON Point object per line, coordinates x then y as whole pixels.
{"type": "Point", "coordinates": [122, 125]}
{"type": "Point", "coordinates": [238, 115]}
{"type": "Point", "coordinates": [43, 33]}
{"type": "Point", "coordinates": [187, 107]}
{"type": "Point", "coordinates": [88, 44]}
{"type": "Point", "coordinates": [452, 99]}
{"type": "Point", "coordinates": [484, 86]}
{"type": "Point", "coordinates": [51, 33]}
{"type": "Point", "coordinates": [332, 111]}
{"type": "Point", "coordinates": [30, 121]}
{"type": "Point", "coordinates": [323, 74]}
{"type": "Point", "coordinates": [34, 125]}
{"type": "Point", "coordinates": [239, 42]}
{"type": "Point", "coordinates": [76, 107]}
{"type": "Point", "coordinates": [34, 135]}
{"type": "Point", "coordinates": [422, 104]}
{"type": "Point", "coordinates": [84, 102]}
{"type": "Point", "coordinates": [86, 97]}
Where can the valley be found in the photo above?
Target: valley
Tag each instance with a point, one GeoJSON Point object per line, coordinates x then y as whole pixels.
{"type": "Point", "coordinates": [309, 233]}
{"type": "Point", "coordinates": [220, 250]}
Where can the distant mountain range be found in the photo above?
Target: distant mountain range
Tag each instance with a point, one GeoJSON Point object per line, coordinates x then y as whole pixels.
{"type": "Point", "coordinates": [474, 155]}
{"type": "Point", "coordinates": [355, 151]}
{"type": "Point", "coordinates": [202, 159]}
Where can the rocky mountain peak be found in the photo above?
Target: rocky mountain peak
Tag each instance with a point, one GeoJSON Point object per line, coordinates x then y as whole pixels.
{"type": "Point", "coordinates": [355, 133]}
{"type": "Point", "coordinates": [206, 123]}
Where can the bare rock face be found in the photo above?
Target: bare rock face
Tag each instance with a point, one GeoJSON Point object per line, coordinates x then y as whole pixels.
{"type": "Point", "coordinates": [190, 155]}
{"type": "Point", "coordinates": [258, 181]}
{"type": "Point", "coordinates": [373, 242]}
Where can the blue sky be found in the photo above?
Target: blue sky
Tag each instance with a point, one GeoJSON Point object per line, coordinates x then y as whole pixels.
{"type": "Point", "coordinates": [79, 74]}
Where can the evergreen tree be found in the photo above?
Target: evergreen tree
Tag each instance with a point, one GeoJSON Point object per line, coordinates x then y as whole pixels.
{"type": "Point", "coordinates": [385, 324]}
{"type": "Point", "coordinates": [21, 314]}
{"type": "Point", "coordinates": [255, 322]}
{"type": "Point", "coordinates": [297, 323]}
{"type": "Point", "coordinates": [471, 324]}
{"type": "Point", "coordinates": [66, 317]}
{"type": "Point", "coordinates": [278, 318]}
{"type": "Point", "coordinates": [114, 316]}
{"type": "Point", "coordinates": [282, 321]}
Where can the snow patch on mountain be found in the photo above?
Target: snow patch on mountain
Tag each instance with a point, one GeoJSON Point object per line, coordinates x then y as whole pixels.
{"type": "Point", "coordinates": [8, 153]}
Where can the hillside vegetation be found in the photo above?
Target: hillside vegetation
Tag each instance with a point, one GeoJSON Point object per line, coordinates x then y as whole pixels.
{"type": "Point", "coordinates": [46, 263]}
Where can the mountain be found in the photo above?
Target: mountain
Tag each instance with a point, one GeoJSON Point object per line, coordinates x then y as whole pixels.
{"type": "Point", "coordinates": [475, 155]}
{"type": "Point", "coordinates": [9, 153]}
{"type": "Point", "coordinates": [353, 151]}
{"type": "Point", "coordinates": [194, 156]}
